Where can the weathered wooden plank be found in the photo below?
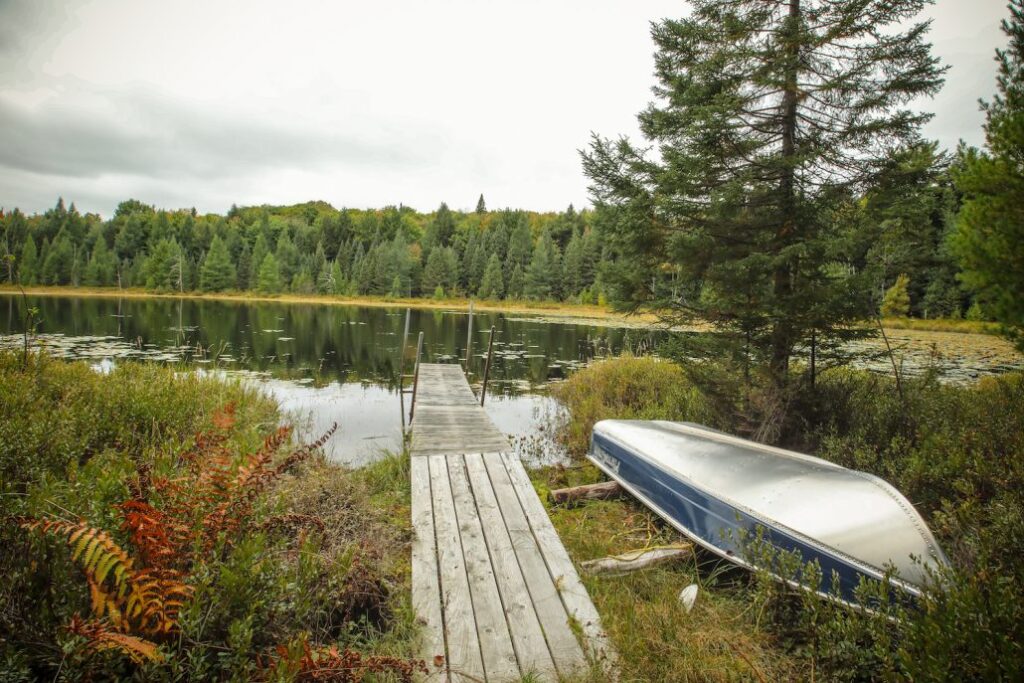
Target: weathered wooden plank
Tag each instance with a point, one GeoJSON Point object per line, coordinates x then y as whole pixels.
{"type": "Point", "coordinates": [570, 588]}
{"type": "Point", "coordinates": [455, 429]}
{"type": "Point", "coordinates": [464, 659]}
{"type": "Point", "coordinates": [527, 636]}
{"type": "Point", "coordinates": [426, 586]}
{"type": "Point", "coordinates": [492, 630]}
{"type": "Point", "coordinates": [565, 650]}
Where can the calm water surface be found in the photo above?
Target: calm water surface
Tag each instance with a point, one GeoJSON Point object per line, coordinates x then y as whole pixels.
{"type": "Point", "coordinates": [326, 363]}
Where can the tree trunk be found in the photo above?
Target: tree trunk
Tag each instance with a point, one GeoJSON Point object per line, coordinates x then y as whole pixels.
{"type": "Point", "coordinates": [782, 330]}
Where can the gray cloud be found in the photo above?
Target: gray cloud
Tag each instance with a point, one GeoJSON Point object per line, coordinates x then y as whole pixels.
{"type": "Point", "coordinates": [198, 103]}
{"type": "Point", "coordinates": [81, 133]}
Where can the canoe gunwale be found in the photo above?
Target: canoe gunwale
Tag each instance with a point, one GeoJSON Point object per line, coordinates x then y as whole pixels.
{"type": "Point", "coordinates": [912, 515]}
{"type": "Point", "coordinates": [795, 539]}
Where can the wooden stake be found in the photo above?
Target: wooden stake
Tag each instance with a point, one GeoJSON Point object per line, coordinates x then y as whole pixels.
{"type": "Point", "coordinates": [487, 365]}
{"type": "Point", "coordinates": [401, 371]}
{"type": "Point", "coordinates": [469, 337]}
{"type": "Point", "coordinates": [416, 376]}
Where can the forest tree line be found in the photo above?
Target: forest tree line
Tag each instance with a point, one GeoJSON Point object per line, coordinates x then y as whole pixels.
{"type": "Point", "coordinates": [901, 238]}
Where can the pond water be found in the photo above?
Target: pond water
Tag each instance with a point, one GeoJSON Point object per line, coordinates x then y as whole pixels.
{"type": "Point", "coordinates": [326, 363]}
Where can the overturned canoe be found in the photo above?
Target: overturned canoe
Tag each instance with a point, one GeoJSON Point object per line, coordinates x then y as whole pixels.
{"type": "Point", "coordinates": [719, 490]}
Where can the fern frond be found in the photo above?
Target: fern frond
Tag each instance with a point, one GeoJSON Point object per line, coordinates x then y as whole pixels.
{"type": "Point", "coordinates": [99, 556]}
{"type": "Point", "coordinates": [100, 638]}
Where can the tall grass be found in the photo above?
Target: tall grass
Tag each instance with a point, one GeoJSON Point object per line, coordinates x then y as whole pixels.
{"type": "Point", "coordinates": [956, 451]}
{"type": "Point", "coordinates": [318, 563]}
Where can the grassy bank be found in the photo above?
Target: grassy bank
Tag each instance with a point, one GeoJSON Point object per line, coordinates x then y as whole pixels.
{"type": "Point", "coordinates": [554, 309]}
{"type": "Point", "coordinates": [163, 527]}
{"type": "Point", "coordinates": [523, 307]}
{"type": "Point", "coordinates": [957, 452]}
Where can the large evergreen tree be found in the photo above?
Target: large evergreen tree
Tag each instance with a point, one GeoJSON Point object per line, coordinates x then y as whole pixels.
{"type": "Point", "coordinates": [544, 274]}
{"type": "Point", "coordinates": [218, 272]}
{"type": "Point", "coordinates": [101, 269]}
{"type": "Point", "coordinates": [29, 266]}
{"type": "Point", "coordinates": [493, 285]}
{"type": "Point", "coordinates": [990, 237]}
{"type": "Point", "coordinates": [770, 115]}
{"type": "Point", "coordinates": [162, 269]}
{"type": "Point", "coordinates": [268, 281]}
{"type": "Point", "coordinates": [59, 261]}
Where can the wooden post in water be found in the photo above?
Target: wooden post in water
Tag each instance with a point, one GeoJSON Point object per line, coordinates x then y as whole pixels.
{"type": "Point", "coordinates": [401, 371]}
{"type": "Point", "coordinates": [416, 376]}
{"type": "Point", "coordinates": [469, 337]}
{"type": "Point", "coordinates": [487, 365]}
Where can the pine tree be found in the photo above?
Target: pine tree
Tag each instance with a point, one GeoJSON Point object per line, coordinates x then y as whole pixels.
{"type": "Point", "coordinates": [896, 303]}
{"type": "Point", "coordinates": [443, 225]}
{"type": "Point", "coordinates": [287, 257]}
{"type": "Point", "coordinates": [493, 285]}
{"type": "Point", "coordinates": [481, 206]}
{"type": "Point", "coordinates": [516, 283]}
{"type": "Point", "coordinates": [29, 265]}
{"type": "Point", "coordinates": [770, 114]}
{"type": "Point", "coordinates": [990, 237]}
{"type": "Point", "coordinates": [161, 270]}
{"type": "Point", "coordinates": [59, 261]}
{"type": "Point", "coordinates": [303, 283]}
{"type": "Point", "coordinates": [100, 271]}
{"type": "Point", "coordinates": [434, 273]}
{"type": "Point", "coordinates": [451, 270]}
{"type": "Point", "coordinates": [244, 270]}
{"type": "Point", "coordinates": [268, 281]}
{"type": "Point", "coordinates": [544, 273]}
{"type": "Point", "coordinates": [520, 246]}
{"type": "Point", "coordinates": [259, 253]}
{"type": "Point", "coordinates": [573, 266]}
{"type": "Point", "coordinates": [218, 273]}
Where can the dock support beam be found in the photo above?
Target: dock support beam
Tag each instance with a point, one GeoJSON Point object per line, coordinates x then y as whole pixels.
{"type": "Point", "coordinates": [487, 365]}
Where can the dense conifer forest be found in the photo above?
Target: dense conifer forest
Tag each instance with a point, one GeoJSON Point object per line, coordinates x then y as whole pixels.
{"type": "Point", "coordinates": [902, 244]}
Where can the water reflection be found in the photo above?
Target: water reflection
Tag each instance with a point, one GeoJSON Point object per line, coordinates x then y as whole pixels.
{"type": "Point", "coordinates": [330, 363]}
{"type": "Point", "coordinates": [327, 363]}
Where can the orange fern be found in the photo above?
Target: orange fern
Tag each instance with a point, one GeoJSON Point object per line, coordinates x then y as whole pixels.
{"type": "Point", "coordinates": [99, 637]}
{"type": "Point", "coordinates": [142, 600]}
{"type": "Point", "coordinates": [323, 664]}
{"type": "Point", "coordinates": [168, 521]}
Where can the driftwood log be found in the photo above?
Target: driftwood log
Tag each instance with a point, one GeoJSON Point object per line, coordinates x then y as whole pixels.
{"type": "Point", "coordinates": [602, 491]}
{"type": "Point", "coordinates": [637, 559]}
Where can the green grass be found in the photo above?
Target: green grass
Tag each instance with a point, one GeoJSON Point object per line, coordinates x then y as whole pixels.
{"type": "Point", "coordinates": [71, 441]}
{"type": "Point", "coordinates": [956, 451]}
{"type": "Point", "coordinates": [655, 638]}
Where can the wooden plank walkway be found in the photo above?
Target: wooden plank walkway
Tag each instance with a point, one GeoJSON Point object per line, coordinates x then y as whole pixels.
{"type": "Point", "coordinates": [493, 586]}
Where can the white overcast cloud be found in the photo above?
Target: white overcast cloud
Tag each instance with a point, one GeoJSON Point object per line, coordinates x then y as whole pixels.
{"type": "Point", "coordinates": [207, 103]}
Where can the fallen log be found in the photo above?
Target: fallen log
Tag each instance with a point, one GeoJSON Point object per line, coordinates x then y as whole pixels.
{"type": "Point", "coordinates": [602, 491]}
{"type": "Point", "coordinates": [637, 559]}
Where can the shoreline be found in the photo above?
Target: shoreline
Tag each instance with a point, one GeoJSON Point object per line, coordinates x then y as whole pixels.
{"type": "Point", "coordinates": [581, 313]}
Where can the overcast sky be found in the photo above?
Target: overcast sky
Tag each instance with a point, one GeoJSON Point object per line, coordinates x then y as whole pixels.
{"type": "Point", "coordinates": [207, 103]}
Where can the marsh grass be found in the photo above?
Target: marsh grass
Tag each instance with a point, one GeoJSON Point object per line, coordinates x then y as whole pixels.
{"type": "Point", "coordinates": [323, 561]}
{"type": "Point", "coordinates": [956, 451]}
{"type": "Point", "coordinates": [655, 638]}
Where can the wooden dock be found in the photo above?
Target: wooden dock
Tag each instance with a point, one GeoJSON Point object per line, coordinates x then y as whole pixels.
{"type": "Point", "coordinates": [493, 586]}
